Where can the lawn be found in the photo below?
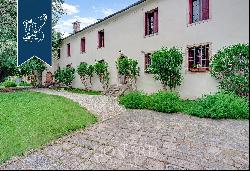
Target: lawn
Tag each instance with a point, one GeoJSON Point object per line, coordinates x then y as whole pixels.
{"type": "Point", "coordinates": [29, 120]}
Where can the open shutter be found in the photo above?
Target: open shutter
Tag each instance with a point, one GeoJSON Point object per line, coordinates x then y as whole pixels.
{"type": "Point", "coordinates": [103, 40]}
{"type": "Point", "coordinates": [207, 56]}
{"type": "Point", "coordinates": [146, 24]}
{"type": "Point", "coordinates": [156, 22]}
{"type": "Point", "coordinates": [205, 9]}
{"type": "Point", "coordinates": [99, 39]}
{"type": "Point", "coordinates": [146, 62]}
{"type": "Point", "coordinates": [190, 11]}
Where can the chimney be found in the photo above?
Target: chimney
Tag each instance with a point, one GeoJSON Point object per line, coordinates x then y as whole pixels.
{"type": "Point", "coordinates": [76, 27]}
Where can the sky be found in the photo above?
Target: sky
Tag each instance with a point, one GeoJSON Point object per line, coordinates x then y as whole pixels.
{"type": "Point", "coordinates": [88, 12]}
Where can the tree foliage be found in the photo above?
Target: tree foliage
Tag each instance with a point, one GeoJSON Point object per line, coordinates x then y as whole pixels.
{"type": "Point", "coordinates": [128, 70]}
{"type": "Point", "coordinates": [166, 67]}
{"type": "Point", "coordinates": [65, 76]}
{"type": "Point", "coordinates": [86, 73]}
{"type": "Point", "coordinates": [101, 69]}
{"type": "Point", "coordinates": [230, 66]}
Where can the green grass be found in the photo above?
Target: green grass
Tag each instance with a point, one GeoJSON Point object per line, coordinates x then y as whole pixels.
{"type": "Point", "coordinates": [29, 120]}
{"type": "Point", "coordinates": [80, 91]}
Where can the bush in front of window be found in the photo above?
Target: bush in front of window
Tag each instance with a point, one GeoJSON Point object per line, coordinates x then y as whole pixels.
{"type": "Point", "coordinates": [220, 106]}
{"type": "Point", "coordinates": [101, 70]}
{"type": "Point", "coordinates": [134, 100]}
{"type": "Point", "coordinates": [166, 67]}
{"type": "Point", "coordinates": [86, 72]}
{"type": "Point", "coordinates": [230, 66]}
{"type": "Point", "coordinates": [65, 76]}
{"type": "Point", "coordinates": [9, 83]}
{"type": "Point", "coordinates": [164, 101]}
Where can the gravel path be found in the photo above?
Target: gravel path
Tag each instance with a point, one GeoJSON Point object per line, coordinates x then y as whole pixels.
{"type": "Point", "coordinates": [142, 139]}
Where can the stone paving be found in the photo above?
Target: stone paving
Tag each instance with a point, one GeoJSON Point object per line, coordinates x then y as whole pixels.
{"type": "Point", "coordinates": [142, 139]}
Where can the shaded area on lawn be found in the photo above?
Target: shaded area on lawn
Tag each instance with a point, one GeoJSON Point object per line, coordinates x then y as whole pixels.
{"type": "Point", "coordinates": [79, 91]}
{"type": "Point", "coordinates": [29, 120]}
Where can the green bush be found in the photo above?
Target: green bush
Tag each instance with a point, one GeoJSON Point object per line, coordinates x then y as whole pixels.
{"type": "Point", "coordinates": [164, 101]}
{"type": "Point", "coordinates": [8, 84]}
{"type": "Point", "coordinates": [230, 66]}
{"type": "Point", "coordinates": [24, 84]}
{"type": "Point", "coordinates": [65, 76]}
{"type": "Point", "coordinates": [221, 106]}
{"type": "Point", "coordinates": [134, 100]}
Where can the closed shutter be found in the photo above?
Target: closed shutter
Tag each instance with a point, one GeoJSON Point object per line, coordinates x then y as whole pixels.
{"type": "Point", "coordinates": [205, 9]}
{"type": "Point", "coordinates": [190, 11]}
{"type": "Point", "coordinates": [156, 22]}
{"type": "Point", "coordinates": [146, 24]}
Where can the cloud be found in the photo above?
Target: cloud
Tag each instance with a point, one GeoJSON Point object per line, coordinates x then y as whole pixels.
{"type": "Point", "coordinates": [108, 11]}
{"type": "Point", "coordinates": [70, 9]}
{"type": "Point", "coordinates": [66, 26]}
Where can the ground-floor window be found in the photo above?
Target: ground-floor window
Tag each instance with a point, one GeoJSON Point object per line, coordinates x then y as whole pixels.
{"type": "Point", "coordinates": [198, 58]}
{"type": "Point", "coordinates": [148, 62]}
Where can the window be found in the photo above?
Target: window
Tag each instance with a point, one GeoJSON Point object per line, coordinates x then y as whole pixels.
{"type": "Point", "coordinates": [151, 22]}
{"type": "Point", "coordinates": [198, 10]}
{"type": "Point", "coordinates": [101, 39]}
{"type": "Point", "coordinates": [198, 58]}
{"type": "Point", "coordinates": [58, 53]}
{"type": "Point", "coordinates": [68, 50]}
{"type": "Point", "coordinates": [148, 62]}
{"type": "Point", "coordinates": [83, 43]}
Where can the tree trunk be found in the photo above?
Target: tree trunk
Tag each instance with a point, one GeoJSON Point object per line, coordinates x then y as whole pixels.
{"type": "Point", "coordinates": [39, 79]}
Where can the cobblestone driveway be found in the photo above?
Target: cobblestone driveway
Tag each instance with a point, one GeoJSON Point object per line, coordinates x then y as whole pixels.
{"type": "Point", "coordinates": [144, 139]}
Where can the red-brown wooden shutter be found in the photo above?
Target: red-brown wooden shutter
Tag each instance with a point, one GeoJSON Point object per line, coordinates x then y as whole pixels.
{"type": "Point", "coordinates": [156, 22]}
{"type": "Point", "coordinates": [190, 11]}
{"type": "Point", "coordinates": [207, 57]}
{"type": "Point", "coordinates": [99, 39]}
{"type": "Point", "coordinates": [146, 61]}
{"type": "Point", "coordinates": [103, 39]}
{"type": "Point", "coordinates": [146, 24]}
{"type": "Point", "coordinates": [205, 9]}
{"type": "Point", "coordinates": [68, 50]}
{"type": "Point", "coordinates": [83, 45]}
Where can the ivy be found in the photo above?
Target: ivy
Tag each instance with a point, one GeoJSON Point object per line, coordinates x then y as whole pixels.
{"type": "Point", "coordinates": [128, 70]}
{"type": "Point", "coordinates": [230, 66]}
{"type": "Point", "coordinates": [86, 73]}
{"type": "Point", "coordinates": [101, 69]}
{"type": "Point", "coordinates": [166, 67]}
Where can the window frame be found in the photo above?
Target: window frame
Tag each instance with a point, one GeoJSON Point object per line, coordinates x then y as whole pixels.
{"type": "Point", "coordinates": [101, 39]}
{"type": "Point", "coordinates": [83, 45]}
{"type": "Point", "coordinates": [155, 29]}
{"type": "Point", "coordinates": [201, 20]}
{"type": "Point", "coordinates": [68, 50]}
{"type": "Point", "coordinates": [207, 59]}
{"type": "Point", "coordinates": [147, 64]}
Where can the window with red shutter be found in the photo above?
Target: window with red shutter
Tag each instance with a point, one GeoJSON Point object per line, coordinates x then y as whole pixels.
{"type": "Point", "coordinates": [147, 62]}
{"type": "Point", "coordinates": [101, 39]}
{"type": "Point", "coordinates": [198, 58]}
{"type": "Point", "coordinates": [83, 45]}
{"type": "Point", "coordinates": [198, 10]}
{"type": "Point", "coordinates": [151, 22]}
{"type": "Point", "coordinates": [68, 50]}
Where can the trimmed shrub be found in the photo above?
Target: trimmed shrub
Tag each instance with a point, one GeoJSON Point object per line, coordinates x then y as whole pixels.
{"type": "Point", "coordinates": [230, 66]}
{"type": "Point", "coordinates": [65, 76]}
{"type": "Point", "coordinates": [221, 106]}
{"type": "Point", "coordinates": [24, 84]}
{"type": "Point", "coordinates": [8, 84]}
{"type": "Point", "coordinates": [164, 101]}
{"type": "Point", "coordinates": [134, 100]}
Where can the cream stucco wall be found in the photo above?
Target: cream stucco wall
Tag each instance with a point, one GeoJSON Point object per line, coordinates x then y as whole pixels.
{"type": "Point", "coordinates": [228, 24]}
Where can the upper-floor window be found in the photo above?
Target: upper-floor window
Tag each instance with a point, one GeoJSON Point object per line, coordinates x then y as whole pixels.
{"type": "Point", "coordinates": [198, 10]}
{"type": "Point", "coordinates": [198, 58]}
{"type": "Point", "coordinates": [68, 50]}
{"type": "Point", "coordinates": [101, 39]}
{"type": "Point", "coordinates": [151, 22]}
{"type": "Point", "coordinates": [83, 45]}
{"type": "Point", "coordinates": [148, 62]}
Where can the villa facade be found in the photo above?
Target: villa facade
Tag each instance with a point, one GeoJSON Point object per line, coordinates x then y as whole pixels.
{"type": "Point", "coordinates": [199, 27]}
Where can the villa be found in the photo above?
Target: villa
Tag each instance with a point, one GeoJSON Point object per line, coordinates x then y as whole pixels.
{"type": "Point", "coordinates": [199, 27]}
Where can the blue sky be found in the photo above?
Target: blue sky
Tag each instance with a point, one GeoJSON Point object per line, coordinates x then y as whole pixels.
{"type": "Point", "coordinates": [88, 11]}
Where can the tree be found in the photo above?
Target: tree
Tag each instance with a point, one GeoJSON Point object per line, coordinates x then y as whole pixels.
{"type": "Point", "coordinates": [166, 67]}
{"type": "Point", "coordinates": [230, 66]}
{"type": "Point", "coordinates": [128, 69]}
{"type": "Point", "coordinates": [65, 76]}
{"type": "Point", "coordinates": [86, 72]}
{"type": "Point", "coordinates": [101, 69]}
